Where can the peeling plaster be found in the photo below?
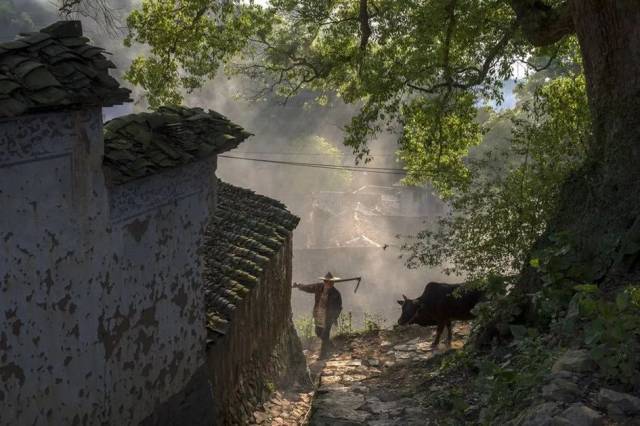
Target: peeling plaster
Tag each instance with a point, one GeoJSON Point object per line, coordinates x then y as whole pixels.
{"type": "Point", "coordinates": [138, 228]}
{"type": "Point", "coordinates": [12, 370]}
{"type": "Point", "coordinates": [100, 285]}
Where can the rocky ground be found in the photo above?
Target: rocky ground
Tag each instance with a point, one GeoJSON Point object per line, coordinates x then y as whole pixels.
{"type": "Point", "coordinates": [368, 380]}
{"type": "Point", "coordinates": [573, 395]}
{"type": "Point", "coordinates": [371, 379]}
{"type": "Point", "coordinates": [394, 377]}
{"type": "Point", "coordinates": [285, 408]}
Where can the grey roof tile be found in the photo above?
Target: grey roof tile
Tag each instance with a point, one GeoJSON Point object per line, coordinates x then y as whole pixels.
{"type": "Point", "coordinates": [245, 234]}
{"type": "Point", "coordinates": [55, 68]}
{"type": "Point", "coordinates": [138, 145]}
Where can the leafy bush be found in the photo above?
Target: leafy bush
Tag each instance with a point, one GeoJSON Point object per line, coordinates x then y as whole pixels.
{"type": "Point", "coordinates": [495, 386]}
{"type": "Point", "coordinates": [373, 322]}
{"type": "Point", "coordinates": [507, 385]}
{"type": "Point", "coordinates": [457, 360]}
{"type": "Point", "coordinates": [610, 329]}
{"type": "Point", "coordinates": [344, 325]}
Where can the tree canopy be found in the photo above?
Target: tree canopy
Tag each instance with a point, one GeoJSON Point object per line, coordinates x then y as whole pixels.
{"type": "Point", "coordinates": [419, 69]}
{"type": "Point", "coordinates": [514, 185]}
{"type": "Point", "coordinates": [415, 68]}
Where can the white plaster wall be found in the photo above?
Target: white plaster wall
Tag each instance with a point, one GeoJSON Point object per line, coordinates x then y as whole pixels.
{"type": "Point", "coordinates": [101, 309]}
{"type": "Point", "coordinates": [157, 311]}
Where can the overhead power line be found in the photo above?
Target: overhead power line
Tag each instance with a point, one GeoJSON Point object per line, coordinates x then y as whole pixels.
{"type": "Point", "coordinates": [311, 154]}
{"type": "Point", "coordinates": [378, 170]}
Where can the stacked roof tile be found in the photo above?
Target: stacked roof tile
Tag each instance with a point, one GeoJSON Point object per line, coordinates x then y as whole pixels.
{"type": "Point", "coordinates": [55, 68]}
{"type": "Point", "coordinates": [244, 235]}
{"type": "Point", "coordinates": [137, 145]}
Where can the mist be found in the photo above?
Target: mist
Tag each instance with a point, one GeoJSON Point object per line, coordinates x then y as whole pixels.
{"type": "Point", "coordinates": [351, 223]}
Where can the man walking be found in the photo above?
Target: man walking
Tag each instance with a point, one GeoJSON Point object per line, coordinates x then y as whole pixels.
{"type": "Point", "coordinates": [326, 309]}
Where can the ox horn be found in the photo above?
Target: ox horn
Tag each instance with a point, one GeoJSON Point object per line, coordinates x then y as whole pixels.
{"type": "Point", "coordinates": [405, 297]}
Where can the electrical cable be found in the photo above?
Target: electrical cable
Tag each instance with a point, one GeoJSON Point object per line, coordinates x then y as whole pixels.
{"type": "Point", "coordinates": [378, 170]}
{"type": "Point", "coordinates": [310, 154]}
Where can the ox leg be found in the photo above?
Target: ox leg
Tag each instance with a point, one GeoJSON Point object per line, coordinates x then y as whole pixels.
{"type": "Point", "coordinates": [449, 334]}
{"type": "Point", "coordinates": [438, 333]}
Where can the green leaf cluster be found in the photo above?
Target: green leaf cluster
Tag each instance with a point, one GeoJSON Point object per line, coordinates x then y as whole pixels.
{"type": "Point", "coordinates": [513, 184]}
{"type": "Point", "coordinates": [610, 329]}
{"type": "Point", "coordinates": [510, 385]}
{"type": "Point", "coordinates": [187, 41]}
{"type": "Point", "coordinates": [414, 68]}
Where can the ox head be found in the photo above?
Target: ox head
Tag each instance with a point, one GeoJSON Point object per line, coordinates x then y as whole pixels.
{"type": "Point", "coordinates": [409, 310]}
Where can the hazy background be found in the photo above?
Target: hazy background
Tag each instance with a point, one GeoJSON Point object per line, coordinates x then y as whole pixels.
{"type": "Point", "coordinates": [349, 220]}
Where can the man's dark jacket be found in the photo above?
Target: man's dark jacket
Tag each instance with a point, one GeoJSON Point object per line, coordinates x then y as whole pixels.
{"type": "Point", "coordinates": [333, 304]}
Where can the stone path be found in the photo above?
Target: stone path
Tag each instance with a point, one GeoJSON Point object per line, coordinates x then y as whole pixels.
{"type": "Point", "coordinates": [369, 380]}
{"type": "Point", "coordinates": [284, 408]}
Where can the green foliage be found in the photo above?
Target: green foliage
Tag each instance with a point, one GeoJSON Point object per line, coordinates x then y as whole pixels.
{"type": "Point", "coordinates": [457, 360]}
{"type": "Point", "coordinates": [413, 68]}
{"type": "Point", "coordinates": [270, 387]}
{"type": "Point", "coordinates": [433, 145]}
{"type": "Point", "coordinates": [513, 187]}
{"type": "Point", "coordinates": [370, 323]}
{"type": "Point", "coordinates": [187, 43]}
{"type": "Point", "coordinates": [610, 329]}
{"type": "Point", "coordinates": [344, 324]}
{"type": "Point", "coordinates": [373, 322]}
{"type": "Point", "coordinates": [510, 384]}
{"type": "Point", "coordinates": [305, 328]}
{"type": "Point", "coordinates": [451, 400]}
{"type": "Point", "coordinates": [491, 387]}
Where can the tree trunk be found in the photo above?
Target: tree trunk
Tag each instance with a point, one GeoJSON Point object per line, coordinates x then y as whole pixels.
{"type": "Point", "coordinates": [599, 211]}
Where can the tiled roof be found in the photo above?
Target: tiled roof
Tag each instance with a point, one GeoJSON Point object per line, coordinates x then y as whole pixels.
{"type": "Point", "coordinates": [137, 145]}
{"type": "Point", "coordinates": [244, 235]}
{"type": "Point", "coordinates": [55, 68]}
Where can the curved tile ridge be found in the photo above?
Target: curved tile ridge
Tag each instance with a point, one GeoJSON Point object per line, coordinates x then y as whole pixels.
{"type": "Point", "coordinates": [55, 68]}
{"type": "Point", "coordinates": [246, 232]}
{"type": "Point", "coordinates": [138, 145]}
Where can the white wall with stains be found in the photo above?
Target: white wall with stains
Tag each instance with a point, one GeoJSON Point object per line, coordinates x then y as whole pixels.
{"type": "Point", "coordinates": [101, 307]}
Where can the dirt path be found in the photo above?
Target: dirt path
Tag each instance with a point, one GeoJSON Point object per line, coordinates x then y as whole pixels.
{"type": "Point", "coordinates": [371, 379]}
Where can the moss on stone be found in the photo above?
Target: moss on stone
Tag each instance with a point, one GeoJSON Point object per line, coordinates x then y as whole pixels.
{"type": "Point", "coordinates": [245, 234]}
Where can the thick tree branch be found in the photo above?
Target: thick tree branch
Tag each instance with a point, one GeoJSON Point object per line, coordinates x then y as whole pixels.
{"type": "Point", "coordinates": [541, 24]}
{"type": "Point", "coordinates": [479, 74]}
{"type": "Point", "coordinates": [451, 9]}
{"type": "Point", "coordinates": [365, 28]}
{"type": "Point", "coordinates": [537, 68]}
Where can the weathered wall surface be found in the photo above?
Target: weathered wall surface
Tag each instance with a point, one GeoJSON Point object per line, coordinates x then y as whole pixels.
{"type": "Point", "coordinates": [54, 210]}
{"type": "Point", "coordinates": [153, 320]}
{"type": "Point", "coordinates": [100, 293]}
{"type": "Point", "coordinates": [260, 349]}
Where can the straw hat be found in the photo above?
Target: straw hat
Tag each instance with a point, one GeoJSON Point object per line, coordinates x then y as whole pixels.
{"type": "Point", "coordinates": [329, 277]}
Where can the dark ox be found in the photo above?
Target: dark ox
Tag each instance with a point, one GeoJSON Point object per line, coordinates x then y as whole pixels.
{"type": "Point", "coordinates": [439, 305]}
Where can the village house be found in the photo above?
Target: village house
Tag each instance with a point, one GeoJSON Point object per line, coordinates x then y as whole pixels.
{"type": "Point", "coordinates": [129, 274]}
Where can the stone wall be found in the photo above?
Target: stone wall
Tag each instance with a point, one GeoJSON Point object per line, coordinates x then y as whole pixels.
{"type": "Point", "coordinates": [261, 349]}
{"type": "Point", "coordinates": [100, 290]}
